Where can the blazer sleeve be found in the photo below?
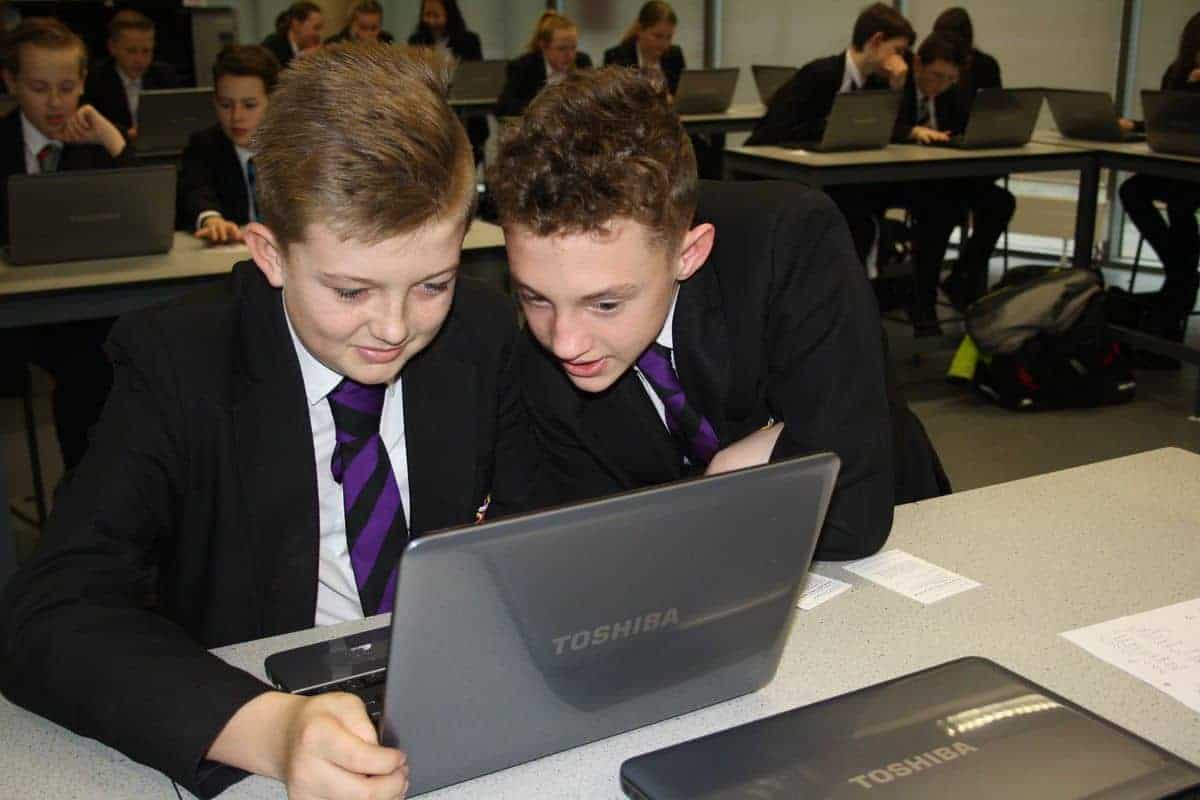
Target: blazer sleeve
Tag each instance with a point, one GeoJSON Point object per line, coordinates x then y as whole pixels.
{"type": "Point", "coordinates": [798, 111]}
{"type": "Point", "coordinates": [196, 192]}
{"type": "Point", "coordinates": [826, 373]}
{"type": "Point", "coordinates": [82, 642]}
{"type": "Point", "coordinates": [470, 49]}
{"type": "Point", "coordinates": [516, 93]}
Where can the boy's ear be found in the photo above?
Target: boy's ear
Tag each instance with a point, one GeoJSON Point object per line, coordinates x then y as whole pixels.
{"type": "Point", "coordinates": [695, 249]}
{"type": "Point", "coordinates": [266, 251]}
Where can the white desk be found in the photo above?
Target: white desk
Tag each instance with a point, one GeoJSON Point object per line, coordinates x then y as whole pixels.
{"type": "Point", "coordinates": [737, 118]}
{"type": "Point", "coordinates": [1053, 553]}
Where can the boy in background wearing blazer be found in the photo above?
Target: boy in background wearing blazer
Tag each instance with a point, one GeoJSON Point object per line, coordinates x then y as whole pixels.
{"type": "Point", "coordinates": [115, 86]}
{"type": "Point", "coordinates": [297, 31]}
{"type": "Point", "coordinates": [365, 24]}
{"type": "Point", "coordinates": [272, 443]}
{"type": "Point", "coordinates": [681, 326]}
{"type": "Point", "coordinates": [216, 181]}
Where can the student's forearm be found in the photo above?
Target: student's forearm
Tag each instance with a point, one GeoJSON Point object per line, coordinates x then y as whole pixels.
{"type": "Point", "coordinates": [115, 143]}
{"type": "Point", "coordinates": [255, 738]}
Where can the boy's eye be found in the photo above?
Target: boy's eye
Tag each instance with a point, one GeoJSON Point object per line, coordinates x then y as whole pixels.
{"type": "Point", "coordinates": [530, 297]}
{"type": "Point", "coordinates": [435, 288]}
{"type": "Point", "coordinates": [606, 306]}
{"type": "Point", "coordinates": [349, 294]}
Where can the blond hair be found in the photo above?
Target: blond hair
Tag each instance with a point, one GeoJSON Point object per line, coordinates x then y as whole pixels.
{"type": "Point", "coordinates": [387, 164]}
{"type": "Point", "coordinates": [549, 23]}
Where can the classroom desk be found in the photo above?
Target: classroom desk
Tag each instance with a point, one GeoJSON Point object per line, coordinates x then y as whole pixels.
{"type": "Point", "coordinates": [739, 118]}
{"type": "Point", "coordinates": [911, 162]}
{"type": "Point", "coordinates": [1089, 544]}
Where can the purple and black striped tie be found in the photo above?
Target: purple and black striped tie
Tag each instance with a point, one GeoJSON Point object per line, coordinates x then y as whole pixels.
{"type": "Point", "coordinates": [693, 432]}
{"type": "Point", "coordinates": [376, 529]}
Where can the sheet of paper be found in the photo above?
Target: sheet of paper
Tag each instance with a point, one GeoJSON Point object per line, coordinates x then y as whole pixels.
{"type": "Point", "coordinates": [1160, 647]}
{"type": "Point", "coordinates": [913, 577]}
{"type": "Point", "coordinates": [819, 589]}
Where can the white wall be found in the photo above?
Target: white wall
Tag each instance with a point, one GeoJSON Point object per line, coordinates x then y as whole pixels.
{"type": "Point", "coordinates": [1159, 24]}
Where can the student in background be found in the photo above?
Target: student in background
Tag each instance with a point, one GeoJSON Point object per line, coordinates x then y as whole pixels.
{"type": "Point", "coordinates": [677, 326]}
{"type": "Point", "coordinates": [553, 52]}
{"type": "Point", "coordinates": [983, 71]}
{"type": "Point", "coordinates": [441, 24]}
{"type": "Point", "coordinates": [272, 443]}
{"type": "Point", "coordinates": [297, 30]}
{"type": "Point", "coordinates": [216, 181]}
{"type": "Point", "coordinates": [44, 69]}
{"type": "Point", "coordinates": [115, 85]}
{"type": "Point", "coordinates": [1176, 240]}
{"type": "Point", "coordinates": [364, 25]}
{"type": "Point", "coordinates": [647, 45]}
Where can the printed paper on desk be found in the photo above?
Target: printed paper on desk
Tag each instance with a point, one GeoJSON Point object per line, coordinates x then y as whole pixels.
{"type": "Point", "coordinates": [819, 589]}
{"type": "Point", "coordinates": [1160, 647]}
{"type": "Point", "coordinates": [913, 577]}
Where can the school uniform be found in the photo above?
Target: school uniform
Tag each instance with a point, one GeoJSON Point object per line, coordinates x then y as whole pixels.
{"type": "Point", "coordinates": [199, 517]}
{"type": "Point", "coordinates": [215, 176]}
{"type": "Point", "coordinates": [982, 72]}
{"type": "Point", "coordinates": [525, 77]}
{"type": "Point", "coordinates": [465, 47]}
{"type": "Point", "coordinates": [281, 46]}
{"type": "Point", "coordinates": [626, 55]}
{"type": "Point", "coordinates": [344, 35]}
{"type": "Point", "coordinates": [116, 96]}
{"type": "Point", "coordinates": [779, 324]}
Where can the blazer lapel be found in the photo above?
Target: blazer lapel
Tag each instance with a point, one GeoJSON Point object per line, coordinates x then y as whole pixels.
{"type": "Point", "coordinates": [702, 351]}
{"type": "Point", "coordinates": [231, 175]}
{"type": "Point", "coordinates": [626, 431]}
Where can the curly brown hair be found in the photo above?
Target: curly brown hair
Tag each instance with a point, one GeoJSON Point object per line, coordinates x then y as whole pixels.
{"type": "Point", "coordinates": [596, 146]}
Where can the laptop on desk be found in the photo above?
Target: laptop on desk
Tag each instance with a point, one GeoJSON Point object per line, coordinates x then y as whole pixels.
{"type": "Point", "coordinates": [968, 728]}
{"type": "Point", "coordinates": [1088, 115]}
{"type": "Point", "coordinates": [1000, 118]}
{"type": "Point", "coordinates": [769, 79]}
{"type": "Point", "coordinates": [1172, 122]}
{"type": "Point", "coordinates": [530, 635]}
{"type": "Point", "coordinates": [478, 81]}
{"type": "Point", "coordinates": [90, 214]}
{"type": "Point", "coordinates": [858, 121]}
{"type": "Point", "coordinates": [705, 91]}
{"type": "Point", "coordinates": [167, 118]}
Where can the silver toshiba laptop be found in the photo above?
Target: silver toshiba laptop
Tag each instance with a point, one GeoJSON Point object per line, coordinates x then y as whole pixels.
{"type": "Point", "coordinates": [167, 118]}
{"type": "Point", "coordinates": [87, 214]}
{"type": "Point", "coordinates": [705, 91]}
{"type": "Point", "coordinates": [478, 81]}
{"type": "Point", "coordinates": [968, 728]}
{"type": "Point", "coordinates": [530, 635]}
{"type": "Point", "coordinates": [862, 120]}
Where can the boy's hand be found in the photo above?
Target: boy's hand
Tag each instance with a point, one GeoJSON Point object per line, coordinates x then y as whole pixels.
{"type": "Point", "coordinates": [750, 451]}
{"type": "Point", "coordinates": [1194, 75]}
{"type": "Point", "coordinates": [218, 230]}
{"type": "Point", "coordinates": [895, 69]}
{"type": "Point", "coordinates": [1125, 124]}
{"type": "Point", "coordinates": [320, 747]}
{"type": "Point", "coordinates": [89, 126]}
{"type": "Point", "coordinates": [924, 135]}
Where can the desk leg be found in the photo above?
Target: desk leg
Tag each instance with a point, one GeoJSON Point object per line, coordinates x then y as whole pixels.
{"type": "Point", "coordinates": [1085, 213]}
{"type": "Point", "coordinates": [8, 545]}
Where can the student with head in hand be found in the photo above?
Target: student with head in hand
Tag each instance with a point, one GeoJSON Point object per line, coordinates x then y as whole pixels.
{"type": "Point", "coordinates": [441, 24]}
{"type": "Point", "coordinates": [365, 24]}
{"type": "Point", "coordinates": [114, 87]}
{"type": "Point", "coordinates": [982, 70]}
{"type": "Point", "coordinates": [679, 327]}
{"type": "Point", "coordinates": [272, 443]}
{"type": "Point", "coordinates": [217, 180]}
{"type": "Point", "coordinates": [297, 31]}
{"type": "Point", "coordinates": [552, 54]}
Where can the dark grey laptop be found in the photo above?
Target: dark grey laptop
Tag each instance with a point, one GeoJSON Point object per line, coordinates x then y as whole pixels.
{"type": "Point", "coordinates": [858, 121]}
{"type": "Point", "coordinates": [1173, 122]}
{"type": "Point", "coordinates": [1000, 118]}
{"type": "Point", "coordinates": [968, 728]}
{"type": "Point", "coordinates": [478, 82]}
{"type": "Point", "coordinates": [534, 634]}
{"type": "Point", "coordinates": [86, 214]}
{"type": "Point", "coordinates": [1088, 115]}
{"type": "Point", "coordinates": [705, 91]}
{"type": "Point", "coordinates": [768, 80]}
{"type": "Point", "coordinates": [167, 118]}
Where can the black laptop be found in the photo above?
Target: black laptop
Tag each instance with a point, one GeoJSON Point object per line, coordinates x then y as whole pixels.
{"type": "Point", "coordinates": [1088, 115]}
{"type": "Point", "coordinates": [705, 91]}
{"type": "Point", "coordinates": [1172, 122]}
{"type": "Point", "coordinates": [167, 118]}
{"type": "Point", "coordinates": [967, 728]}
{"type": "Point", "coordinates": [1000, 118]}
{"type": "Point", "coordinates": [858, 121]}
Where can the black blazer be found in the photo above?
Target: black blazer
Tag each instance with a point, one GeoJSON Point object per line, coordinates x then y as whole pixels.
{"type": "Point", "coordinates": [625, 55]}
{"type": "Point", "coordinates": [211, 179]}
{"type": "Point", "coordinates": [280, 46]}
{"type": "Point", "coordinates": [526, 77]}
{"type": "Point", "coordinates": [800, 108]}
{"type": "Point", "coordinates": [779, 324]}
{"type": "Point", "coordinates": [466, 47]}
{"type": "Point", "coordinates": [192, 521]}
{"type": "Point", "coordinates": [105, 91]}
{"type": "Point", "coordinates": [74, 156]}
{"type": "Point", "coordinates": [951, 115]}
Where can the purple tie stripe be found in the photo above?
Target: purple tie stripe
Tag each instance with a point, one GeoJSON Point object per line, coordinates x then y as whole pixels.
{"type": "Point", "coordinates": [694, 432]}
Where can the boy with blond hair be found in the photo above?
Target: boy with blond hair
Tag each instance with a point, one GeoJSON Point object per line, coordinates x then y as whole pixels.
{"type": "Point", "coordinates": [271, 445]}
{"type": "Point", "coordinates": [115, 86]}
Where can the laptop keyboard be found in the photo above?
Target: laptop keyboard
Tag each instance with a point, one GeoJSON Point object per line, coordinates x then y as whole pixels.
{"type": "Point", "coordinates": [369, 687]}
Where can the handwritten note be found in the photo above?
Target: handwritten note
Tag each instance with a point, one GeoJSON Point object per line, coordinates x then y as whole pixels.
{"type": "Point", "coordinates": [1160, 647]}
{"type": "Point", "coordinates": [913, 577]}
{"type": "Point", "coordinates": [819, 589]}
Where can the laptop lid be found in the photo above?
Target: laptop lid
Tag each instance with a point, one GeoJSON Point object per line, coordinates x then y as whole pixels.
{"type": "Point", "coordinates": [1172, 121]}
{"type": "Point", "coordinates": [968, 728]}
{"type": "Point", "coordinates": [87, 214]}
{"type": "Point", "coordinates": [534, 634]}
{"type": "Point", "coordinates": [705, 91]}
{"type": "Point", "coordinates": [768, 79]}
{"type": "Point", "coordinates": [1084, 114]}
{"type": "Point", "coordinates": [167, 118]}
{"type": "Point", "coordinates": [861, 120]}
{"type": "Point", "coordinates": [1002, 118]}
{"type": "Point", "coordinates": [478, 81]}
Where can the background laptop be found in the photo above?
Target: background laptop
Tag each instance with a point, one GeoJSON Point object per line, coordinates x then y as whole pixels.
{"type": "Point", "coordinates": [534, 634]}
{"type": "Point", "coordinates": [1000, 118]}
{"type": "Point", "coordinates": [769, 79]}
{"type": "Point", "coordinates": [968, 728]}
{"type": "Point", "coordinates": [858, 121]}
{"type": "Point", "coordinates": [167, 118]}
{"type": "Point", "coordinates": [705, 91]}
{"type": "Point", "coordinates": [1172, 122]}
{"type": "Point", "coordinates": [88, 214]}
{"type": "Point", "coordinates": [477, 81]}
{"type": "Point", "coordinates": [1088, 115]}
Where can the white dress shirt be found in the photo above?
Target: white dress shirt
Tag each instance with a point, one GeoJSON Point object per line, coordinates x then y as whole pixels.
{"type": "Point", "coordinates": [337, 592]}
{"type": "Point", "coordinates": [666, 338]}
{"type": "Point", "coordinates": [932, 121]}
{"type": "Point", "coordinates": [653, 67]}
{"type": "Point", "coordinates": [133, 92]}
{"type": "Point", "coordinates": [852, 77]}
{"type": "Point", "coordinates": [552, 76]}
{"type": "Point", "coordinates": [34, 142]}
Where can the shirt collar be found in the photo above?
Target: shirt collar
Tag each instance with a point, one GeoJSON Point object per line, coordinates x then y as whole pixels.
{"type": "Point", "coordinates": [319, 380]}
{"type": "Point", "coordinates": [243, 155]}
{"type": "Point", "coordinates": [292, 42]}
{"type": "Point", "coordinates": [856, 76]}
{"type": "Point", "coordinates": [128, 81]}
{"type": "Point", "coordinates": [35, 140]}
{"type": "Point", "coordinates": [666, 336]}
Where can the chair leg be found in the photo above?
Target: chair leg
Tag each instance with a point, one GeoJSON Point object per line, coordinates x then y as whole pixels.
{"type": "Point", "coordinates": [1004, 268]}
{"type": "Point", "coordinates": [1137, 258]}
{"type": "Point", "coordinates": [35, 460]}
